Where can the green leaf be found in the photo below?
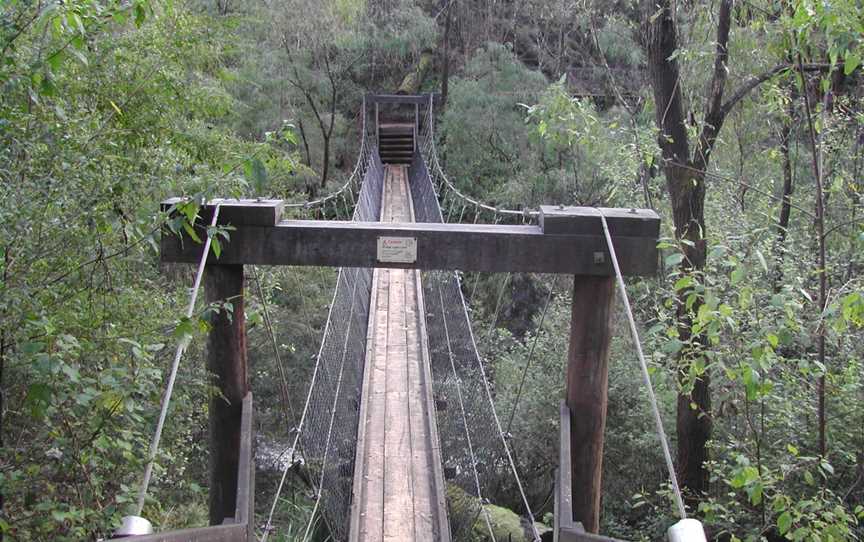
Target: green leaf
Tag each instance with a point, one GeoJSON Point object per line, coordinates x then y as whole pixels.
{"type": "Point", "coordinates": [784, 522]}
{"type": "Point", "coordinates": [140, 15]}
{"type": "Point", "coordinates": [853, 60]}
{"type": "Point", "coordinates": [684, 282]}
{"type": "Point", "coordinates": [185, 328]}
{"type": "Point", "coordinates": [672, 347]}
{"type": "Point", "coordinates": [38, 398]}
{"type": "Point", "coordinates": [256, 173]}
{"type": "Point", "coordinates": [738, 274]}
{"type": "Point", "coordinates": [762, 260]}
{"type": "Point", "coordinates": [191, 231]}
{"type": "Point", "coordinates": [33, 347]}
{"type": "Point", "coordinates": [674, 259]}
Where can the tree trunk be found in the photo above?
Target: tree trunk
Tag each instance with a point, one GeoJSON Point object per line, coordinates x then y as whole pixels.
{"type": "Point", "coordinates": [325, 167]}
{"type": "Point", "coordinates": [786, 198]}
{"type": "Point", "coordinates": [445, 63]}
{"type": "Point", "coordinates": [414, 80]}
{"type": "Point", "coordinates": [685, 179]}
{"type": "Point", "coordinates": [307, 156]}
{"type": "Point", "coordinates": [819, 220]}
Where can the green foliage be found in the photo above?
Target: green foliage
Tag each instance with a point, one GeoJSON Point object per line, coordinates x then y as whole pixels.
{"type": "Point", "coordinates": [483, 125]}
{"type": "Point", "coordinates": [107, 108]}
{"type": "Point", "coordinates": [594, 152]}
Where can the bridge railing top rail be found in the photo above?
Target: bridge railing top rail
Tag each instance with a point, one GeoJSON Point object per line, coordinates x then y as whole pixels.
{"type": "Point", "coordinates": [412, 99]}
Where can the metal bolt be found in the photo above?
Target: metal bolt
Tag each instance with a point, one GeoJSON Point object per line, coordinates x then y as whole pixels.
{"type": "Point", "coordinates": [599, 258]}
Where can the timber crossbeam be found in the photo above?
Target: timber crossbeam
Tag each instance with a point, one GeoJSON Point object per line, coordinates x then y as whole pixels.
{"type": "Point", "coordinates": [568, 240]}
{"type": "Point", "coordinates": [413, 99]}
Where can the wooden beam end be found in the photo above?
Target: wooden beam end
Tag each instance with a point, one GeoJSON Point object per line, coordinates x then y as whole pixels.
{"type": "Point", "coordinates": [570, 220]}
{"type": "Point", "coordinates": [237, 212]}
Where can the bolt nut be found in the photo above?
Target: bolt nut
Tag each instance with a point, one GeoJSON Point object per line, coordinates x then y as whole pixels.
{"type": "Point", "coordinates": [599, 258]}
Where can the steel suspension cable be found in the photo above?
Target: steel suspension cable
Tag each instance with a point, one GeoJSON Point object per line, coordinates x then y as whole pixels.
{"type": "Point", "coordinates": [646, 376]}
{"type": "Point", "coordinates": [498, 304]}
{"type": "Point", "coordinates": [182, 344]}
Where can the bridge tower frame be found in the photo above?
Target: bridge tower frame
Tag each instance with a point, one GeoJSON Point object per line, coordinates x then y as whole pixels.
{"type": "Point", "coordinates": [567, 240]}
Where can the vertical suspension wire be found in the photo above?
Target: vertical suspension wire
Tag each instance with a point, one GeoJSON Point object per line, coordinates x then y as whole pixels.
{"type": "Point", "coordinates": [506, 446]}
{"type": "Point", "coordinates": [182, 344]}
{"type": "Point", "coordinates": [319, 492]}
{"type": "Point", "coordinates": [531, 355]}
{"type": "Point", "coordinates": [268, 323]}
{"type": "Point", "coordinates": [498, 304]}
{"type": "Point", "coordinates": [458, 383]}
{"type": "Point", "coordinates": [317, 417]}
{"type": "Point", "coordinates": [461, 214]}
{"type": "Point", "coordinates": [347, 207]}
{"type": "Point", "coordinates": [646, 376]}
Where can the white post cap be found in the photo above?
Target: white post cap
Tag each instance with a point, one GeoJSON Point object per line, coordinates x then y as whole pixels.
{"type": "Point", "coordinates": [687, 530]}
{"type": "Point", "coordinates": [133, 526]}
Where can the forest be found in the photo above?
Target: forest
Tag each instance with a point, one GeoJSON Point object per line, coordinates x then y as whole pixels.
{"type": "Point", "coordinates": [739, 122]}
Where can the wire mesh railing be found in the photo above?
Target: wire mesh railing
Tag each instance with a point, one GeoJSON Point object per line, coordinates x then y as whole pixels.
{"type": "Point", "coordinates": [326, 439]}
{"type": "Point", "coordinates": [477, 461]}
{"type": "Point", "coordinates": [329, 434]}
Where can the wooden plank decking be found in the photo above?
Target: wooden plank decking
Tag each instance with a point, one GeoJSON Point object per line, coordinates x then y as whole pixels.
{"type": "Point", "coordinates": [398, 493]}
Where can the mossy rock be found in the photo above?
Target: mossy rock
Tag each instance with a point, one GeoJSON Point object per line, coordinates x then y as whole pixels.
{"type": "Point", "coordinates": [506, 524]}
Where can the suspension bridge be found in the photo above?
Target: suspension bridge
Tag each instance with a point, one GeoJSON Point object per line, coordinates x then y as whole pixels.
{"type": "Point", "coordinates": [399, 421]}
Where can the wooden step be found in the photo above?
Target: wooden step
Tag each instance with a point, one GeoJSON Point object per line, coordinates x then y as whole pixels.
{"type": "Point", "coordinates": [396, 143]}
{"type": "Point", "coordinates": [394, 129]}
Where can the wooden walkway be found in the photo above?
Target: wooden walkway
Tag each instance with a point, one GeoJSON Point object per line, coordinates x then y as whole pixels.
{"type": "Point", "coordinates": [398, 487]}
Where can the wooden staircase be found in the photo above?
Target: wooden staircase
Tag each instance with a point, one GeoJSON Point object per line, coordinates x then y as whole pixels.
{"type": "Point", "coordinates": [396, 143]}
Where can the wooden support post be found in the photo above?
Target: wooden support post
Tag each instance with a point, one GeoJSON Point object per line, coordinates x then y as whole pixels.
{"type": "Point", "coordinates": [587, 383]}
{"type": "Point", "coordinates": [226, 360]}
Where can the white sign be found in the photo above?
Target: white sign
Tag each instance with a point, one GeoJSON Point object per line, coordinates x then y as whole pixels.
{"type": "Point", "coordinates": [397, 249]}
